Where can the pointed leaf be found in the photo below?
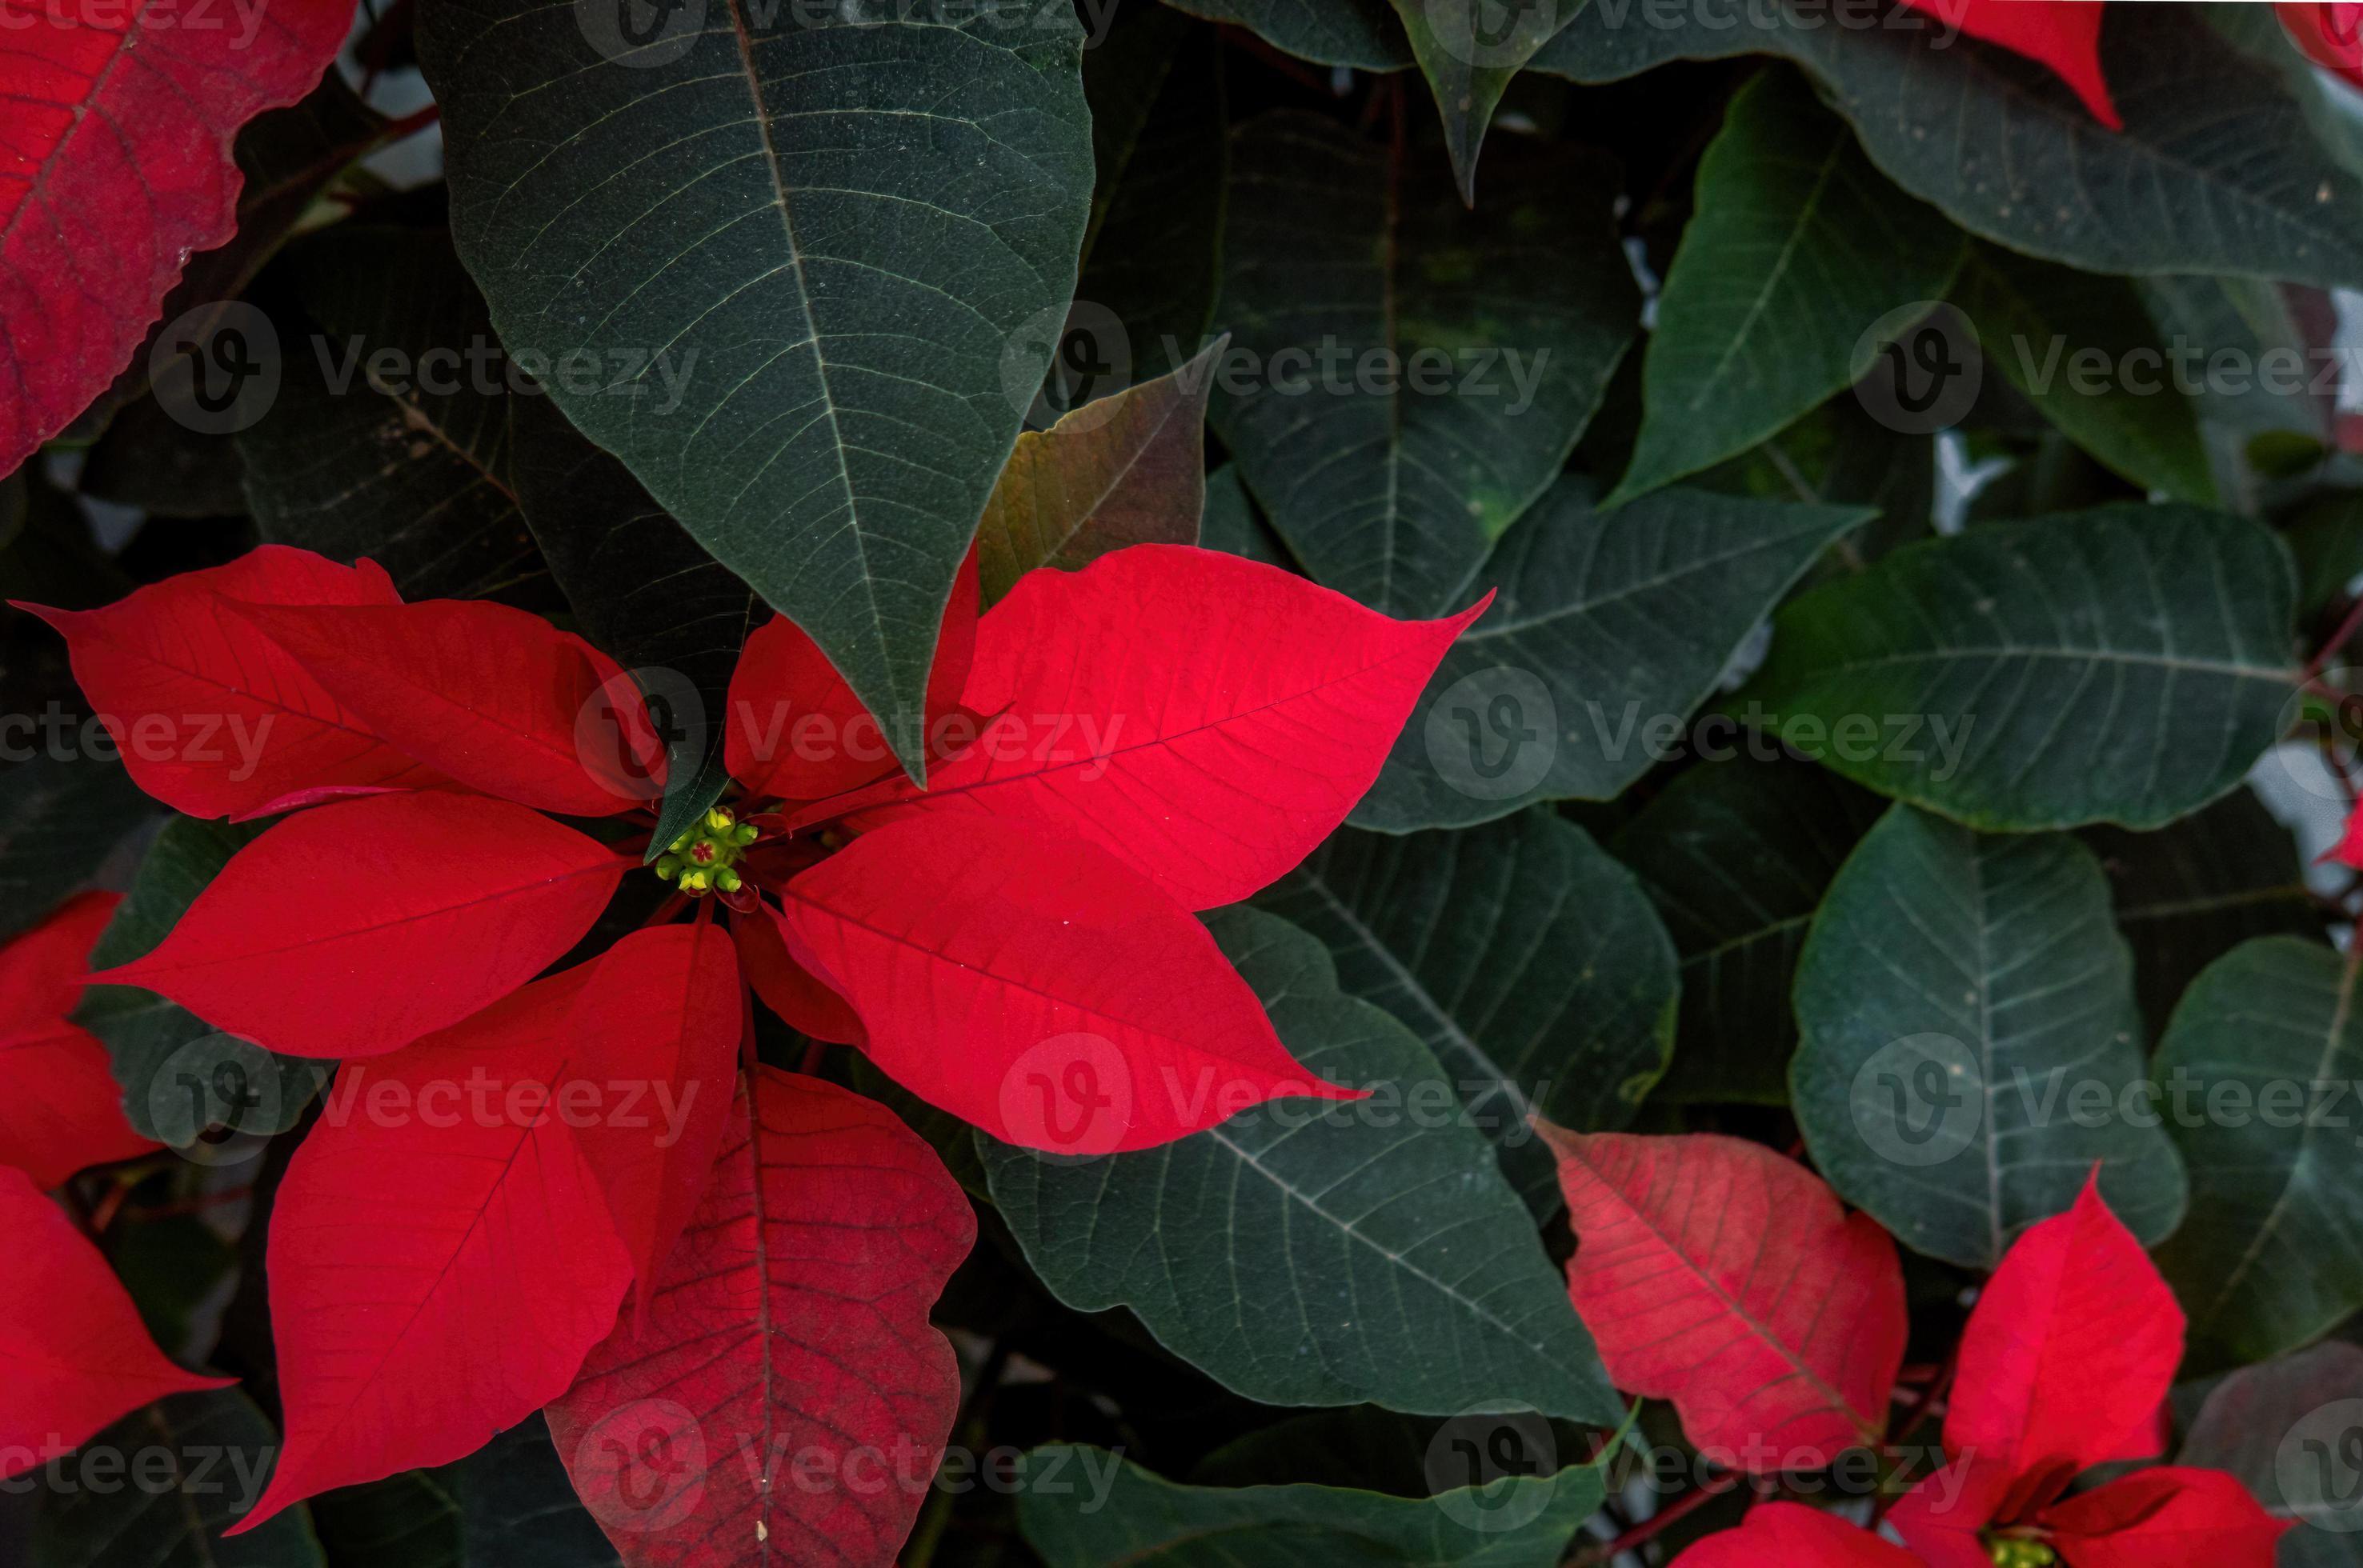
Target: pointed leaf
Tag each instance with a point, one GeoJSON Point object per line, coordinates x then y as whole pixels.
{"type": "Point", "coordinates": [644, 592]}
{"type": "Point", "coordinates": [2060, 35]}
{"type": "Point", "coordinates": [215, 1448]}
{"type": "Point", "coordinates": [1037, 986]}
{"type": "Point", "coordinates": [1957, 997]}
{"type": "Point", "coordinates": [59, 822]}
{"type": "Point", "coordinates": [796, 731]}
{"type": "Point", "coordinates": [660, 1011]}
{"type": "Point", "coordinates": [1726, 1278]}
{"type": "Point", "coordinates": [1494, 335]}
{"type": "Point", "coordinates": [1205, 719]}
{"type": "Point", "coordinates": [1736, 854]}
{"type": "Point", "coordinates": [411, 468]}
{"type": "Point", "coordinates": [1361, 33]}
{"type": "Point", "coordinates": [211, 716]}
{"type": "Point", "coordinates": [1309, 1255]}
{"type": "Point", "coordinates": [145, 1035]}
{"type": "Point", "coordinates": [1137, 1517]}
{"type": "Point", "coordinates": [416, 1317]}
{"type": "Point", "coordinates": [1525, 958]}
{"type": "Point", "coordinates": [845, 300]}
{"type": "Point", "coordinates": [801, 999]}
{"type": "Point", "coordinates": [2261, 1263]}
{"type": "Point", "coordinates": [355, 928]}
{"type": "Point", "coordinates": [1128, 469]}
{"type": "Point", "coordinates": [1613, 627]}
{"type": "Point", "coordinates": [73, 1355]}
{"type": "Point", "coordinates": [1470, 50]}
{"type": "Point", "coordinates": [2124, 665]}
{"type": "Point", "coordinates": [120, 143]}
{"type": "Point", "coordinates": [1790, 1532]}
{"type": "Point", "coordinates": [60, 1112]}
{"type": "Point", "coordinates": [2166, 1518]}
{"type": "Point", "coordinates": [1798, 248]}
{"type": "Point", "coordinates": [497, 699]}
{"type": "Point", "coordinates": [790, 1339]}
{"type": "Point", "coordinates": [2038, 321]}
{"type": "Point", "coordinates": [2009, 152]}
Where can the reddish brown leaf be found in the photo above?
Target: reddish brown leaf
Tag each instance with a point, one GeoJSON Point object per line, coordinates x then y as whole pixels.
{"type": "Point", "coordinates": [786, 1399]}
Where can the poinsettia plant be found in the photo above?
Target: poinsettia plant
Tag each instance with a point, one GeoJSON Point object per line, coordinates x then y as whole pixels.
{"type": "Point", "coordinates": [1270, 781]}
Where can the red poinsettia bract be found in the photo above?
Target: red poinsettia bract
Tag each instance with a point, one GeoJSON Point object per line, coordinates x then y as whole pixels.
{"type": "Point", "coordinates": [62, 1111]}
{"type": "Point", "coordinates": [2064, 1367]}
{"type": "Point", "coordinates": [506, 1150]}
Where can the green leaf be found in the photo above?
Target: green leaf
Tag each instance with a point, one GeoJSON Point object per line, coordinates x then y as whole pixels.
{"type": "Point", "coordinates": [819, 260]}
{"type": "Point", "coordinates": [2085, 352]}
{"type": "Point", "coordinates": [1230, 522]}
{"type": "Point", "coordinates": [1302, 1254]}
{"type": "Point", "coordinates": [1128, 469]}
{"type": "Point", "coordinates": [2124, 664]}
{"type": "Point", "coordinates": [60, 817]}
{"type": "Point", "coordinates": [1529, 961]}
{"type": "Point", "coordinates": [406, 1520]}
{"type": "Point", "coordinates": [1962, 1002]}
{"type": "Point", "coordinates": [1084, 1508]}
{"type": "Point", "coordinates": [1414, 374]}
{"type": "Point", "coordinates": [404, 459]}
{"type": "Point", "coordinates": [2005, 148]}
{"type": "Point", "coordinates": [1152, 256]}
{"type": "Point", "coordinates": [1798, 250]}
{"type": "Point", "coordinates": [2281, 1428]}
{"type": "Point", "coordinates": [1611, 628]}
{"type": "Point", "coordinates": [178, 1074]}
{"type": "Point", "coordinates": [1468, 50]}
{"type": "Point", "coordinates": [2279, 403]}
{"type": "Point", "coordinates": [644, 591]}
{"type": "Point", "coordinates": [2327, 539]}
{"type": "Point", "coordinates": [205, 1457]}
{"type": "Point", "coordinates": [1364, 34]}
{"type": "Point", "coordinates": [2194, 890]}
{"type": "Point", "coordinates": [2263, 1040]}
{"type": "Point", "coordinates": [517, 1507]}
{"type": "Point", "coordinates": [1736, 854]}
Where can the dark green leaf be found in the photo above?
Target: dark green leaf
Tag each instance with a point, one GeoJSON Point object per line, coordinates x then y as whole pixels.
{"type": "Point", "coordinates": [1611, 628]}
{"type": "Point", "coordinates": [1152, 257]}
{"type": "Point", "coordinates": [1415, 375]}
{"type": "Point", "coordinates": [1128, 469]}
{"type": "Point", "coordinates": [2265, 1038]}
{"type": "Point", "coordinates": [1084, 1508]}
{"type": "Point", "coordinates": [206, 1457]}
{"type": "Point", "coordinates": [2273, 338]}
{"type": "Point", "coordinates": [2327, 539]}
{"type": "Point", "coordinates": [2124, 664]}
{"type": "Point", "coordinates": [1468, 50]}
{"type": "Point", "coordinates": [2085, 352]}
{"type": "Point", "coordinates": [644, 591]}
{"type": "Point", "coordinates": [1736, 854]}
{"type": "Point", "coordinates": [389, 438]}
{"type": "Point", "coordinates": [62, 814]}
{"type": "Point", "coordinates": [2007, 151]}
{"type": "Point", "coordinates": [1360, 33]}
{"type": "Point", "coordinates": [407, 1520]}
{"type": "Point", "coordinates": [1962, 1003]}
{"type": "Point", "coordinates": [177, 1075]}
{"type": "Point", "coordinates": [1302, 1255]}
{"type": "Point", "coordinates": [1230, 521]}
{"type": "Point", "coordinates": [817, 261]}
{"type": "Point", "coordinates": [518, 1509]}
{"type": "Point", "coordinates": [1798, 252]}
{"type": "Point", "coordinates": [1529, 961]}
{"type": "Point", "coordinates": [2194, 890]}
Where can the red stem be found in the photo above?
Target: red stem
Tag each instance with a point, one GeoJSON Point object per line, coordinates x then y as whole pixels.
{"type": "Point", "coordinates": [1656, 1524]}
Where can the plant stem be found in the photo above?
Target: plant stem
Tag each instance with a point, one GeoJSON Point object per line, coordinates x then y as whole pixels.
{"type": "Point", "coordinates": [1649, 1529]}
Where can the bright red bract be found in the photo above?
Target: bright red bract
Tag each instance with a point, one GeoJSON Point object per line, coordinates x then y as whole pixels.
{"type": "Point", "coordinates": [63, 1110]}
